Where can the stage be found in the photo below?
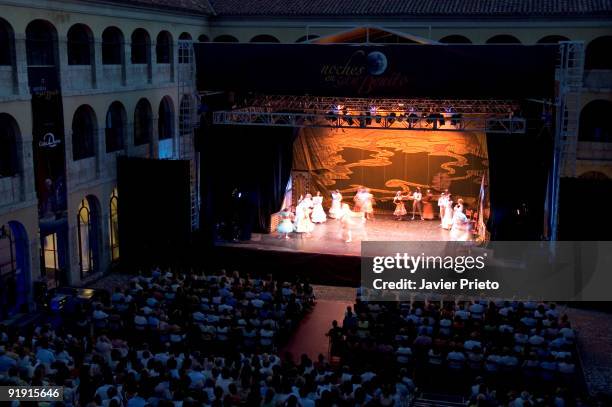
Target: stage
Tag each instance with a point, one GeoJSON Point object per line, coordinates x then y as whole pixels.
{"type": "Point", "coordinates": [324, 257]}
{"type": "Point", "coordinates": [326, 238]}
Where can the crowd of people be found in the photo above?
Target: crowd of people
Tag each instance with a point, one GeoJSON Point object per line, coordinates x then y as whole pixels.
{"type": "Point", "coordinates": [507, 353]}
{"type": "Point", "coordinates": [165, 339]}
{"type": "Point", "coordinates": [180, 340]}
{"type": "Point", "coordinates": [309, 212]}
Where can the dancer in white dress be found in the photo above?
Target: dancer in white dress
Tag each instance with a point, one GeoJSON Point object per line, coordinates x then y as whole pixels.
{"type": "Point", "coordinates": [348, 218]}
{"type": "Point", "coordinates": [303, 224]}
{"type": "Point", "coordinates": [336, 205]}
{"type": "Point", "coordinates": [286, 224]}
{"type": "Point", "coordinates": [364, 202]}
{"type": "Point", "coordinates": [318, 214]}
{"type": "Point", "coordinates": [460, 230]}
{"type": "Point", "coordinates": [447, 221]}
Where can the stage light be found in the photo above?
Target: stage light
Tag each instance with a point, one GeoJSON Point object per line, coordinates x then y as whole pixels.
{"type": "Point", "coordinates": [431, 119]}
{"type": "Point", "coordinates": [348, 119]}
{"type": "Point", "coordinates": [413, 118]}
{"type": "Point", "coordinates": [401, 118]}
{"type": "Point", "coordinates": [456, 119]}
{"type": "Point", "coordinates": [331, 117]}
{"type": "Point", "coordinates": [391, 118]}
{"type": "Point", "coordinates": [364, 120]}
{"type": "Point", "coordinates": [378, 118]}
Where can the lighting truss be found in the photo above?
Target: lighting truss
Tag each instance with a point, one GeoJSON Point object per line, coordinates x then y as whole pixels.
{"type": "Point", "coordinates": [493, 116]}
{"type": "Point", "coordinates": [279, 119]}
{"type": "Point", "coordinates": [325, 103]}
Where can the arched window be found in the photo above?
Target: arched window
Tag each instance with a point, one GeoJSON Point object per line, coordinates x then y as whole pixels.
{"type": "Point", "coordinates": [595, 124]}
{"type": "Point", "coordinates": [83, 133]}
{"type": "Point", "coordinates": [143, 118]}
{"type": "Point", "coordinates": [114, 226]}
{"type": "Point", "coordinates": [305, 38]}
{"type": "Point", "coordinates": [265, 38]}
{"type": "Point", "coordinates": [141, 47]}
{"type": "Point", "coordinates": [184, 48]}
{"type": "Point", "coordinates": [9, 133]}
{"type": "Point", "coordinates": [165, 121]}
{"type": "Point", "coordinates": [115, 127]}
{"type": "Point", "coordinates": [226, 38]}
{"type": "Point", "coordinates": [80, 45]}
{"type": "Point", "coordinates": [7, 43]}
{"type": "Point", "coordinates": [185, 126]}
{"type": "Point", "coordinates": [455, 39]}
{"type": "Point", "coordinates": [503, 39]}
{"type": "Point", "coordinates": [552, 39]}
{"type": "Point", "coordinates": [112, 46]}
{"type": "Point", "coordinates": [163, 48]}
{"type": "Point", "coordinates": [88, 231]}
{"type": "Point", "coordinates": [203, 38]}
{"type": "Point", "coordinates": [41, 43]}
{"type": "Point", "coordinates": [598, 53]}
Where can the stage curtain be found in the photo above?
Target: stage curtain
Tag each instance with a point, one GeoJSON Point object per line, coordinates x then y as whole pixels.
{"type": "Point", "coordinates": [390, 160]}
{"type": "Point", "coordinates": [252, 161]}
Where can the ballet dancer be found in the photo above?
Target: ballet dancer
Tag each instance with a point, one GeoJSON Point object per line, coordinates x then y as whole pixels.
{"type": "Point", "coordinates": [416, 203]}
{"type": "Point", "coordinates": [286, 224]}
{"type": "Point", "coordinates": [400, 208]}
{"type": "Point", "coordinates": [336, 205]}
{"type": "Point", "coordinates": [318, 214]}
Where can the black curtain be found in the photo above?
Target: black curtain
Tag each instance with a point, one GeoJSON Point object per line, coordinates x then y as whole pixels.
{"type": "Point", "coordinates": [245, 170]}
{"type": "Point", "coordinates": [154, 211]}
{"type": "Point", "coordinates": [519, 167]}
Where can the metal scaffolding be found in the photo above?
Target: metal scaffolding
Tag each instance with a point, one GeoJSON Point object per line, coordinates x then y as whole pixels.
{"type": "Point", "coordinates": [493, 116]}
{"type": "Point", "coordinates": [188, 100]}
{"type": "Point", "coordinates": [570, 73]}
{"type": "Point", "coordinates": [326, 103]}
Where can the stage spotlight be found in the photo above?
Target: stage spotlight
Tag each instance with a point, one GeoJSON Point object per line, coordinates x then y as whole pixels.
{"type": "Point", "coordinates": [364, 120]}
{"type": "Point", "coordinates": [378, 118]}
{"type": "Point", "coordinates": [441, 120]}
{"type": "Point", "coordinates": [456, 119]}
{"type": "Point", "coordinates": [413, 118]}
{"type": "Point", "coordinates": [431, 119]}
{"type": "Point", "coordinates": [391, 118]}
{"type": "Point", "coordinates": [401, 118]}
{"type": "Point", "coordinates": [348, 119]}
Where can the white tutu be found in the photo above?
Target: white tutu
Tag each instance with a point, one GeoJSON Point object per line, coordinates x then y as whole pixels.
{"type": "Point", "coordinates": [285, 226]}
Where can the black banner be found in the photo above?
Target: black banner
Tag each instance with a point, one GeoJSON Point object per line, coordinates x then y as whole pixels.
{"type": "Point", "coordinates": [48, 138]}
{"type": "Point", "coordinates": [453, 71]}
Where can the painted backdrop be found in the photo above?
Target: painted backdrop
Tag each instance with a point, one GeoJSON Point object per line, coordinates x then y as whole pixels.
{"type": "Point", "coordinates": [390, 160]}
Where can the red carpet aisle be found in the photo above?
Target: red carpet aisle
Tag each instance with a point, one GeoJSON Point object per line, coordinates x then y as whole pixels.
{"type": "Point", "coordinates": [310, 337]}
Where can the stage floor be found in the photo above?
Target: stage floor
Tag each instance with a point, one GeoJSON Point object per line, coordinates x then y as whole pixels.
{"type": "Point", "coordinates": [326, 238]}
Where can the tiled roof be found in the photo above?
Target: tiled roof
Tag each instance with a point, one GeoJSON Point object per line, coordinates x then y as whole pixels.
{"type": "Point", "coordinates": [200, 7]}
{"type": "Point", "coordinates": [413, 8]}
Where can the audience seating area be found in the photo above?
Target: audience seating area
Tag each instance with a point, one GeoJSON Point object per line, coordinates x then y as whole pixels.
{"type": "Point", "coordinates": [181, 340]}
{"type": "Point", "coordinates": [495, 352]}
